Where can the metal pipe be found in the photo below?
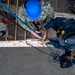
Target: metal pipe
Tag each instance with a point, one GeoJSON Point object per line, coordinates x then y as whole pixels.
{"type": "Point", "coordinates": [16, 19]}
{"type": "Point", "coordinates": [24, 35]}
{"type": "Point", "coordinates": [8, 2]}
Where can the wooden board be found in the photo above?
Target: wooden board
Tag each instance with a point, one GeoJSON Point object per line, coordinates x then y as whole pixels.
{"type": "Point", "coordinates": [22, 43]}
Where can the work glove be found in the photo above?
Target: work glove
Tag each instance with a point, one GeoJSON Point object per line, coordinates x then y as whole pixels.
{"type": "Point", "coordinates": [42, 32]}
{"type": "Point", "coordinates": [45, 41]}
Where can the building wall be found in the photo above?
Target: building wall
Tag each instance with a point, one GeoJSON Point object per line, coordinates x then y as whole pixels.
{"type": "Point", "coordinates": [58, 5]}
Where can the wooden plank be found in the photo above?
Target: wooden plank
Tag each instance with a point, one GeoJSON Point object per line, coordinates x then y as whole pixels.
{"type": "Point", "coordinates": [22, 43]}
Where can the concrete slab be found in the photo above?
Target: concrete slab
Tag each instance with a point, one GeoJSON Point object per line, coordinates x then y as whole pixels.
{"type": "Point", "coordinates": [29, 61]}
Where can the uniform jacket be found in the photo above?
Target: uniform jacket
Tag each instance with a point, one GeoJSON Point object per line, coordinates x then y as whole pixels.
{"type": "Point", "coordinates": [61, 23]}
{"type": "Point", "coordinates": [3, 26]}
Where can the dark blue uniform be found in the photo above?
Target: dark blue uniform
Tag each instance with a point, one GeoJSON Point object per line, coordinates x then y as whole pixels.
{"type": "Point", "coordinates": [61, 23]}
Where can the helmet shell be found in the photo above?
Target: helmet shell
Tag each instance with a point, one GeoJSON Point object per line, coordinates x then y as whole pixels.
{"type": "Point", "coordinates": [33, 9]}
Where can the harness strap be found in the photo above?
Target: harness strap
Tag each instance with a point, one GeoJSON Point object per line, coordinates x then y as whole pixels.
{"type": "Point", "coordinates": [4, 21]}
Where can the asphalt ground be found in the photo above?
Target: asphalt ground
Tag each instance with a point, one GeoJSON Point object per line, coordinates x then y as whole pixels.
{"type": "Point", "coordinates": [29, 61]}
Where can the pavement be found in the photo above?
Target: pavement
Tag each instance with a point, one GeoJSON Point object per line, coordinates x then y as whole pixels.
{"type": "Point", "coordinates": [29, 61]}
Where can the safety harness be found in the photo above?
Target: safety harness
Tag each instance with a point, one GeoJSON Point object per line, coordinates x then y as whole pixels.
{"type": "Point", "coordinates": [67, 37]}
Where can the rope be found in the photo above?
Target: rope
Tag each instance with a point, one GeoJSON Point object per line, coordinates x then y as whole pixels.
{"type": "Point", "coordinates": [37, 48]}
{"type": "Point", "coordinates": [53, 57]}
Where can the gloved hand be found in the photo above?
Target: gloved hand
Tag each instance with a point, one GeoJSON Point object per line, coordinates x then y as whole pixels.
{"type": "Point", "coordinates": [45, 41]}
{"type": "Point", "coordinates": [41, 30]}
{"type": "Point", "coordinates": [44, 33]}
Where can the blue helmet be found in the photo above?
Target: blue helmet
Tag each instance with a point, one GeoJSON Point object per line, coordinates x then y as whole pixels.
{"type": "Point", "coordinates": [33, 9]}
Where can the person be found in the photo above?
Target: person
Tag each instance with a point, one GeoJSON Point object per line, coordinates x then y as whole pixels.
{"type": "Point", "coordinates": [65, 29]}
{"type": "Point", "coordinates": [4, 23]}
{"type": "Point", "coordinates": [36, 13]}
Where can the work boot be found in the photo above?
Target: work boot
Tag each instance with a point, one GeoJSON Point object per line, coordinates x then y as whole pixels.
{"type": "Point", "coordinates": [73, 55]}
{"type": "Point", "coordinates": [65, 61]}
